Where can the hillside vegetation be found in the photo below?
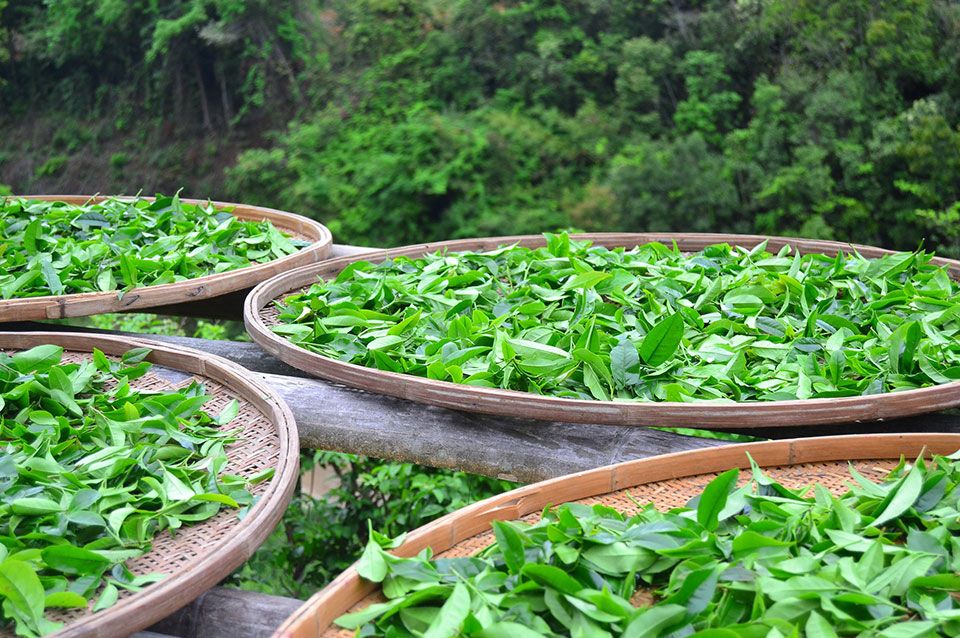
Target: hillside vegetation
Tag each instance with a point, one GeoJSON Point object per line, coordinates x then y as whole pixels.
{"type": "Point", "coordinates": [403, 120]}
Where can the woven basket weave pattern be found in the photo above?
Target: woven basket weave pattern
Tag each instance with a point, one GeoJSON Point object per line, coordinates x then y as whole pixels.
{"type": "Point", "coordinates": [257, 448]}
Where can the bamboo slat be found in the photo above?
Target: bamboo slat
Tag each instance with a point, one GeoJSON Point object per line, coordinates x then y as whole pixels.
{"type": "Point", "coordinates": [667, 481]}
{"type": "Point", "coordinates": [92, 303]}
{"type": "Point", "coordinates": [198, 556]}
{"type": "Point", "coordinates": [259, 317]}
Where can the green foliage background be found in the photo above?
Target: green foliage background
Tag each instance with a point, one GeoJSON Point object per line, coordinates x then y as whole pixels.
{"type": "Point", "coordinates": [402, 120]}
{"type": "Point", "coordinates": [320, 537]}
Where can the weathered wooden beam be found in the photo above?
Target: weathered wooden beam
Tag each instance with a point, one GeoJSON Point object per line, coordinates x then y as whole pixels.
{"type": "Point", "coordinates": [223, 612]}
{"type": "Point", "coordinates": [333, 417]}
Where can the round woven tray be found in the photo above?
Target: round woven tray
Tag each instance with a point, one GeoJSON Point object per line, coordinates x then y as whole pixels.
{"type": "Point", "coordinates": [260, 315]}
{"type": "Point", "coordinates": [91, 303]}
{"type": "Point", "coordinates": [200, 555]}
{"type": "Point", "coordinates": [670, 480]}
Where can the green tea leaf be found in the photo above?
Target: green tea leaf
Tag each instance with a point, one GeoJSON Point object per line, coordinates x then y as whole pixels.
{"type": "Point", "coordinates": [903, 345]}
{"type": "Point", "coordinates": [372, 564]}
{"type": "Point", "coordinates": [901, 498]}
{"type": "Point", "coordinates": [229, 413]}
{"type": "Point", "coordinates": [37, 359]}
{"type": "Point", "coordinates": [510, 543]}
{"type": "Point", "coordinates": [50, 275]}
{"type": "Point", "coordinates": [108, 597]}
{"type": "Point", "coordinates": [551, 576]}
{"type": "Point", "coordinates": [652, 622]}
{"type": "Point", "coordinates": [30, 235]}
{"type": "Point", "coordinates": [385, 342]}
{"type": "Point", "coordinates": [73, 560]}
{"type": "Point", "coordinates": [586, 280]}
{"type": "Point", "coordinates": [784, 563]}
{"type": "Point", "coordinates": [623, 358]}
{"type": "Point", "coordinates": [452, 614]}
{"type": "Point", "coordinates": [32, 506]}
{"type": "Point", "coordinates": [508, 630]}
{"type": "Point", "coordinates": [714, 498]}
{"type": "Point", "coordinates": [21, 587]}
{"type": "Point", "coordinates": [818, 627]}
{"type": "Point", "coordinates": [55, 248]}
{"type": "Point", "coordinates": [662, 341]}
{"type": "Point", "coordinates": [909, 629]}
{"type": "Point", "coordinates": [65, 600]}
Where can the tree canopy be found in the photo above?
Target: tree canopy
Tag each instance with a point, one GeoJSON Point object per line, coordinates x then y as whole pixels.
{"type": "Point", "coordinates": [403, 120]}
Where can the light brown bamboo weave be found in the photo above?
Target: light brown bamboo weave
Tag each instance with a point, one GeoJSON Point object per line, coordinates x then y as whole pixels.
{"type": "Point", "coordinates": [668, 480]}
{"type": "Point", "coordinates": [92, 303]}
{"type": "Point", "coordinates": [260, 315]}
{"type": "Point", "coordinates": [199, 555]}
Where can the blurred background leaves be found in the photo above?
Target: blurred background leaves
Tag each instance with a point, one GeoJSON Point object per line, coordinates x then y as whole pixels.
{"type": "Point", "coordinates": [397, 121]}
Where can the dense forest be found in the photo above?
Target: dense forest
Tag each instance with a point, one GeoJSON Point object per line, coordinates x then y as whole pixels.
{"type": "Point", "coordinates": [401, 120]}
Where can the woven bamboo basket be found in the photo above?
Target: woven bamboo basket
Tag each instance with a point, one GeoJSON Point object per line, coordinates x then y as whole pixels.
{"type": "Point", "coordinates": [260, 315]}
{"type": "Point", "coordinates": [670, 480]}
{"type": "Point", "coordinates": [198, 556]}
{"type": "Point", "coordinates": [92, 303]}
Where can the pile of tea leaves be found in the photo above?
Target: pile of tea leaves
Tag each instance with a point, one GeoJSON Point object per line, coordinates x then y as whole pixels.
{"type": "Point", "coordinates": [91, 471]}
{"type": "Point", "coordinates": [757, 561]}
{"type": "Point", "coordinates": [56, 248]}
{"type": "Point", "coordinates": [646, 324]}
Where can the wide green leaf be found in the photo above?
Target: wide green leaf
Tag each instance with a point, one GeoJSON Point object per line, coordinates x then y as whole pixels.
{"type": "Point", "coordinates": [21, 588]}
{"type": "Point", "coordinates": [901, 498]}
{"type": "Point", "coordinates": [662, 341]}
{"type": "Point", "coordinates": [714, 498]}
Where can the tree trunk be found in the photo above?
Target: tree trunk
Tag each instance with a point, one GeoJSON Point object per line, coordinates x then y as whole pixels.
{"type": "Point", "coordinates": [207, 122]}
{"type": "Point", "coordinates": [282, 62]}
{"type": "Point", "coordinates": [224, 96]}
{"type": "Point", "coordinates": [178, 94]}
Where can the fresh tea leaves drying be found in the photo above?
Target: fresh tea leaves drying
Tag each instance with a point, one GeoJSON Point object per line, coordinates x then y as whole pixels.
{"type": "Point", "coordinates": [758, 561]}
{"type": "Point", "coordinates": [648, 324]}
{"type": "Point", "coordinates": [55, 248]}
{"type": "Point", "coordinates": [91, 470]}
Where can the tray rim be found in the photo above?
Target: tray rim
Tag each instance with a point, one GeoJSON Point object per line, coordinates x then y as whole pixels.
{"type": "Point", "coordinates": [525, 405]}
{"type": "Point", "coordinates": [317, 614]}
{"type": "Point", "coordinates": [181, 587]}
{"type": "Point", "coordinates": [90, 303]}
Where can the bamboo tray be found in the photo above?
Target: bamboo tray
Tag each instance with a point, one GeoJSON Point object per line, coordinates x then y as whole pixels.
{"type": "Point", "coordinates": [200, 555]}
{"type": "Point", "coordinates": [92, 303]}
{"type": "Point", "coordinates": [260, 315]}
{"type": "Point", "coordinates": [668, 481]}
